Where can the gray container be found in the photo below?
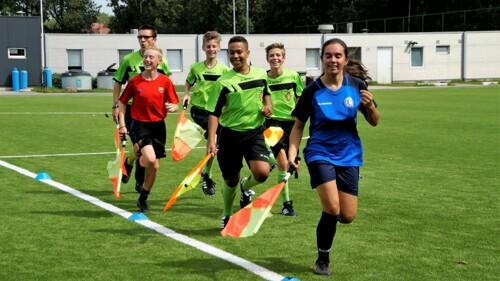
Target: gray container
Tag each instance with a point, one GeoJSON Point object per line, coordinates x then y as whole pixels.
{"type": "Point", "coordinates": [105, 78]}
{"type": "Point", "coordinates": [79, 80]}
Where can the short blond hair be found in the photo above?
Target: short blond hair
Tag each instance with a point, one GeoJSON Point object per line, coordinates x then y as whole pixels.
{"type": "Point", "coordinates": [280, 46]}
{"type": "Point", "coordinates": [211, 35]}
{"type": "Point", "coordinates": [154, 48]}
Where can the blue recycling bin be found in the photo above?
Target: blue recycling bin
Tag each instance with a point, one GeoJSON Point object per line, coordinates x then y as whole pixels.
{"type": "Point", "coordinates": [15, 79]}
{"type": "Point", "coordinates": [23, 79]}
{"type": "Point", "coordinates": [47, 77]}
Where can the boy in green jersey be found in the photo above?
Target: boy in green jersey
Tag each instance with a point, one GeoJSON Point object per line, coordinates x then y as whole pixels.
{"type": "Point", "coordinates": [285, 87]}
{"type": "Point", "coordinates": [199, 85]}
{"type": "Point", "coordinates": [132, 65]}
{"type": "Point", "coordinates": [240, 104]}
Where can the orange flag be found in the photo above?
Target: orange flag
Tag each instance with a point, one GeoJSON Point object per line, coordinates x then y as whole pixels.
{"type": "Point", "coordinates": [247, 221]}
{"type": "Point", "coordinates": [116, 167]}
{"type": "Point", "coordinates": [189, 182]}
{"type": "Point", "coordinates": [187, 135]}
{"type": "Point", "coordinates": [273, 135]}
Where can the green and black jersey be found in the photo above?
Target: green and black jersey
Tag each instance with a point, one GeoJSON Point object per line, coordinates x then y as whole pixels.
{"type": "Point", "coordinates": [238, 99]}
{"type": "Point", "coordinates": [285, 90]}
{"type": "Point", "coordinates": [133, 64]}
{"type": "Point", "coordinates": [202, 79]}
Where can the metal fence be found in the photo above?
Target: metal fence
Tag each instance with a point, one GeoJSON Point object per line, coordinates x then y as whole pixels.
{"type": "Point", "coordinates": [465, 20]}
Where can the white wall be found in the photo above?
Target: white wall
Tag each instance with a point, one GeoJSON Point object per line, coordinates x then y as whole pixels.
{"type": "Point", "coordinates": [481, 52]}
{"type": "Point", "coordinates": [435, 67]}
{"type": "Point", "coordinates": [100, 51]}
{"type": "Point", "coordinates": [482, 55]}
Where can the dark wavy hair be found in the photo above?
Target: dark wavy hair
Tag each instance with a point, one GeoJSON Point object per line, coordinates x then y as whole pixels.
{"type": "Point", "coordinates": [353, 67]}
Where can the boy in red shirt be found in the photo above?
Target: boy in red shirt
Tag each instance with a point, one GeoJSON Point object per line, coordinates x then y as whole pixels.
{"type": "Point", "coordinates": [153, 96]}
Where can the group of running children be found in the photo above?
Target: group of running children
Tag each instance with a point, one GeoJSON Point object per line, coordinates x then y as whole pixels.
{"type": "Point", "coordinates": [235, 106]}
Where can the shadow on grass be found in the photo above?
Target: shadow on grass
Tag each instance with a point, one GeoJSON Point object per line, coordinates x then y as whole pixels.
{"type": "Point", "coordinates": [76, 213]}
{"type": "Point", "coordinates": [214, 269]}
{"type": "Point", "coordinates": [141, 233]}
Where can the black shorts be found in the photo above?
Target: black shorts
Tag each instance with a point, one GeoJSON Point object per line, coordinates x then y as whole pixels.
{"type": "Point", "coordinates": [128, 116]}
{"type": "Point", "coordinates": [285, 140]}
{"type": "Point", "coordinates": [234, 146]}
{"type": "Point", "coordinates": [347, 177]}
{"type": "Point", "coordinates": [149, 133]}
{"type": "Point", "coordinates": [200, 117]}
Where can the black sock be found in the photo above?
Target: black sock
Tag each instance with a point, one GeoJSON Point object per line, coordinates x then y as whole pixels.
{"type": "Point", "coordinates": [144, 195]}
{"type": "Point", "coordinates": [139, 172]}
{"type": "Point", "coordinates": [325, 232]}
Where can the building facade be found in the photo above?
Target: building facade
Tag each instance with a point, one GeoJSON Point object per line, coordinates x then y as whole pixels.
{"type": "Point", "coordinates": [20, 47]}
{"type": "Point", "coordinates": [389, 57]}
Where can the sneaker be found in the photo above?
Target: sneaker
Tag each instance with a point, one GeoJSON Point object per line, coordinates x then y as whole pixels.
{"type": "Point", "coordinates": [321, 268]}
{"type": "Point", "coordinates": [128, 168]}
{"type": "Point", "coordinates": [246, 195]}
{"type": "Point", "coordinates": [288, 209]}
{"type": "Point", "coordinates": [207, 185]}
{"type": "Point", "coordinates": [138, 187]}
{"type": "Point", "coordinates": [223, 222]}
{"type": "Point", "coordinates": [142, 205]}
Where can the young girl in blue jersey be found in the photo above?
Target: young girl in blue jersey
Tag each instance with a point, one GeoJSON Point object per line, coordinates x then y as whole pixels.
{"type": "Point", "coordinates": [333, 152]}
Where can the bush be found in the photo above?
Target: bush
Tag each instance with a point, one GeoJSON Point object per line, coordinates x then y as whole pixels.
{"type": "Point", "coordinates": [56, 80]}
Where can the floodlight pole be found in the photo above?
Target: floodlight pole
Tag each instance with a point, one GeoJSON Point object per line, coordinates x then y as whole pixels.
{"type": "Point", "coordinates": [248, 31]}
{"type": "Point", "coordinates": [409, 9]}
{"type": "Point", "coordinates": [234, 17]}
{"type": "Point", "coordinates": [42, 41]}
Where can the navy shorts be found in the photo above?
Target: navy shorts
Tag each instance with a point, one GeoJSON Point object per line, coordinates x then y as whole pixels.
{"type": "Point", "coordinates": [347, 177]}
{"type": "Point", "coordinates": [234, 146]}
{"type": "Point", "coordinates": [287, 128]}
{"type": "Point", "coordinates": [149, 133]}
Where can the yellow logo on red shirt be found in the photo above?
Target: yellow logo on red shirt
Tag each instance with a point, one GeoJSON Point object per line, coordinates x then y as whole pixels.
{"type": "Point", "coordinates": [161, 90]}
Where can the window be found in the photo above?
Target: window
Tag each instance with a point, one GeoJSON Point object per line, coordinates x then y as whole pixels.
{"type": "Point", "coordinates": [443, 49]}
{"type": "Point", "coordinates": [74, 59]}
{"type": "Point", "coordinates": [223, 58]}
{"type": "Point", "coordinates": [354, 53]}
{"type": "Point", "coordinates": [174, 58]}
{"type": "Point", "coordinates": [123, 53]}
{"type": "Point", "coordinates": [16, 53]}
{"type": "Point", "coordinates": [417, 56]}
{"type": "Point", "coordinates": [312, 58]}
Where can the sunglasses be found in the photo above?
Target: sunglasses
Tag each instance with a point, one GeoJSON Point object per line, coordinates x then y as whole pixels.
{"type": "Point", "coordinates": [144, 37]}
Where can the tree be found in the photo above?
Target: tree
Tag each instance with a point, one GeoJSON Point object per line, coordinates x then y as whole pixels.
{"type": "Point", "coordinates": [71, 16]}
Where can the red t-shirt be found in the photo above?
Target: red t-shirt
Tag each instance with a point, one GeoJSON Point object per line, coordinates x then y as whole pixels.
{"type": "Point", "coordinates": [149, 97]}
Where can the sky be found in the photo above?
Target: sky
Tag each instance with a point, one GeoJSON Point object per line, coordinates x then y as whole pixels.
{"type": "Point", "coordinates": [104, 7]}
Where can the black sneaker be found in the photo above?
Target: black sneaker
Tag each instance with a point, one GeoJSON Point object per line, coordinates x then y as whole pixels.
{"type": "Point", "coordinates": [138, 187]}
{"type": "Point", "coordinates": [207, 185]}
{"type": "Point", "coordinates": [246, 195]}
{"type": "Point", "coordinates": [321, 268]}
{"type": "Point", "coordinates": [128, 168]}
{"type": "Point", "coordinates": [288, 209]}
{"type": "Point", "coordinates": [223, 222]}
{"type": "Point", "coordinates": [142, 205]}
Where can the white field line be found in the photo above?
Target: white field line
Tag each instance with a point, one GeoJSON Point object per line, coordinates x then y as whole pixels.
{"type": "Point", "coordinates": [61, 113]}
{"type": "Point", "coordinates": [78, 154]}
{"type": "Point", "coordinates": [209, 249]}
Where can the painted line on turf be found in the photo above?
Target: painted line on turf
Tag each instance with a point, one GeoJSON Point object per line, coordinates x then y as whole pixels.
{"type": "Point", "coordinates": [61, 113]}
{"type": "Point", "coordinates": [209, 249]}
{"type": "Point", "coordinates": [78, 154]}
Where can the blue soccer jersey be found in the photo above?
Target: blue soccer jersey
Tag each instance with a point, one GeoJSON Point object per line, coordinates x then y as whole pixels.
{"type": "Point", "coordinates": [333, 136]}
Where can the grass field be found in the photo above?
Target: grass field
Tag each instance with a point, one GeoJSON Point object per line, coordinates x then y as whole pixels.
{"type": "Point", "coordinates": [429, 199]}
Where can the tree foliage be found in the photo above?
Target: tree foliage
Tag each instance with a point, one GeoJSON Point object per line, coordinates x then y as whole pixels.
{"type": "Point", "coordinates": [266, 16]}
{"type": "Point", "coordinates": [72, 16]}
{"type": "Point", "coordinates": [68, 16]}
